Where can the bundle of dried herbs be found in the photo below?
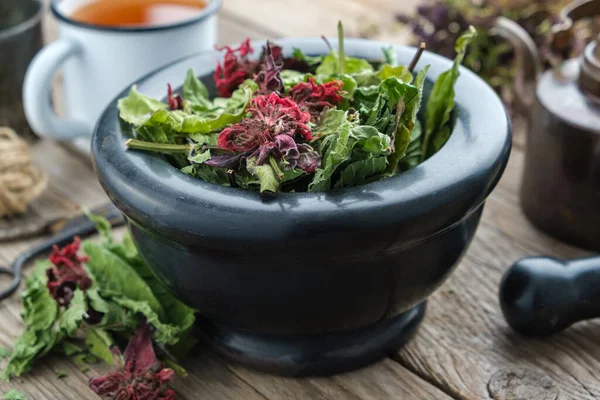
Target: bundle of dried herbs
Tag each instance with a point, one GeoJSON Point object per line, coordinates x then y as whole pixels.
{"type": "Point", "coordinates": [298, 124]}
{"type": "Point", "coordinates": [86, 301]}
{"type": "Point", "coordinates": [439, 23]}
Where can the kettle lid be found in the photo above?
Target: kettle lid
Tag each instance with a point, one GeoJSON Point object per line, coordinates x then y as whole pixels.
{"type": "Point", "coordinates": [560, 92]}
{"type": "Point", "coordinates": [589, 78]}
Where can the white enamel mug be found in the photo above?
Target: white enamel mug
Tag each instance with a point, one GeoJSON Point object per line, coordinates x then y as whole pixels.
{"type": "Point", "coordinates": [99, 62]}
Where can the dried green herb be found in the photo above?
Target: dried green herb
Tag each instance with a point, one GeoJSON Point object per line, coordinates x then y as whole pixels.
{"type": "Point", "coordinates": [14, 395]}
{"type": "Point", "coordinates": [103, 290]}
{"type": "Point", "coordinates": [345, 123]}
{"type": "Point", "coordinates": [60, 374]}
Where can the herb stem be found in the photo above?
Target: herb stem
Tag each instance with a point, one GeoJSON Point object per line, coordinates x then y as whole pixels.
{"type": "Point", "coordinates": [157, 147]}
{"type": "Point", "coordinates": [327, 42]}
{"type": "Point", "coordinates": [416, 58]}
{"type": "Point", "coordinates": [231, 177]}
{"type": "Point", "coordinates": [276, 168]}
{"type": "Point", "coordinates": [341, 46]}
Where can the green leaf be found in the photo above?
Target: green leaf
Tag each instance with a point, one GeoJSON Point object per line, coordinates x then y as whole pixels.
{"type": "Point", "coordinates": [408, 120]}
{"type": "Point", "coordinates": [367, 79]}
{"type": "Point", "coordinates": [441, 100]}
{"type": "Point", "coordinates": [70, 349]}
{"type": "Point", "coordinates": [330, 65]}
{"type": "Point", "coordinates": [401, 72]}
{"type": "Point", "coordinates": [60, 374]}
{"type": "Point", "coordinates": [74, 315]}
{"type": "Point", "coordinates": [114, 277]}
{"type": "Point", "coordinates": [30, 345]}
{"type": "Point", "coordinates": [195, 94]}
{"type": "Point", "coordinates": [83, 360]}
{"type": "Point", "coordinates": [136, 107]}
{"type": "Point", "coordinates": [14, 395]}
{"type": "Point", "coordinates": [301, 56]}
{"type": "Point", "coordinates": [240, 97]}
{"type": "Point", "coordinates": [4, 353]}
{"type": "Point", "coordinates": [265, 174]}
{"type": "Point", "coordinates": [389, 54]}
{"type": "Point", "coordinates": [365, 99]}
{"type": "Point", "coordinates": [209, 174]}
{"type": "Point", "coordinates": [291, 78]}
{"type": "Point", "coordinates": [205, 138]}
{"type": "Point", "coordinates": [382, 114]}
{"type": "Point", "coordinates": [357, 173]}
{"type": "Point", "coordinates": [200, 157]}
{"type": "Point", "coordinates": [40, 310]}
{"type": "Point", "coordinates": [371, 140]}
{"type": "Point", "coordinates": [394, 89]}
{"type": "Point", "coordinates": [115, 317]}
{"type": "Point", "coordinates": [183, 122]}
{"type": "Point", "coordinates": [157, 134]}
{"type": "Point", "coordinates": [414, 105]}
{"type": "Point", "coordinates": [164, 333]}
{"type": "Point", "coordinates": [188, 123]}
{"type": "Point", "coordinates": [348, 88]}
{"type": "Point", "coordinates": [336, 148]}
{"type": "Point", "coordinates": [178, 314]}
{"type": "Point", "coordinates": [99, 344]}
{"type": "Point", "coordinates": [103, 226]}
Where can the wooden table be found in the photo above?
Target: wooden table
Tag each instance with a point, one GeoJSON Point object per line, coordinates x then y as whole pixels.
{"type": "Point", "coordinates": [463, 350]}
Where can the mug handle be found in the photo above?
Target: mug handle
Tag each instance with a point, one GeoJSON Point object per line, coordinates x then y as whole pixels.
{"type": "Point", "coordinates": [37, 89]}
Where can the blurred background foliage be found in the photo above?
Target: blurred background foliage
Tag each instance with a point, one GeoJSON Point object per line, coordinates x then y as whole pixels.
{"type": "Point", "coordinates": [438, 23]}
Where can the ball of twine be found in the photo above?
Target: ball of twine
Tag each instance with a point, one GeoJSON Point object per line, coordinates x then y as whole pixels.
{"type": "Point", "coordinates": [20, 180]}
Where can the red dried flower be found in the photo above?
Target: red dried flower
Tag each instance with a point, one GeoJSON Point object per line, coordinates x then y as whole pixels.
{"type": "Point", "coordinates": [271, 116]}
{"type": "Point", "coordinates": [314, 98]}
{"type": "Point", "coordinates": [270, 131]}
{"type": "Point", "coordinates": [141, 378]}
{"type": "Point", "coordinates": [289, 62]}
{"type": "Point", "coordinates": [236, 68]}
{"type": "Point", "coordinates": [175, 101]}
{"type": "Point", "coordinates": [68, 273]}
{"type": "Point", "coordinates": [269, 78]}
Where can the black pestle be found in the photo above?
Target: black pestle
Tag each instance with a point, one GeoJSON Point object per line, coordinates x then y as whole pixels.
{"type": "Point", "coordinates": [540, 296]}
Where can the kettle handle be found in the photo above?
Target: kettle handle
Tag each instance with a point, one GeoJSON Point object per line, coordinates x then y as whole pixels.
{"type": "Point", "coordinates": [575, 11]}
{"type": "Point", "coordinates": [526, 59]}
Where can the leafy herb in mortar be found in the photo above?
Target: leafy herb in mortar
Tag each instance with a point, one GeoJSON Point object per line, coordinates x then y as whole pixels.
{"type": "Point", "coordinates": [333, 122]}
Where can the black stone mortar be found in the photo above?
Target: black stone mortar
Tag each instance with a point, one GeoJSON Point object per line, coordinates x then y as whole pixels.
{"type": "Point", "coordinates": [309, 283]}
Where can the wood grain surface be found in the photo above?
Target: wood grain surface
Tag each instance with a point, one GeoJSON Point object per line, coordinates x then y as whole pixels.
{"type": "Point", "coordinates": [464, 349]}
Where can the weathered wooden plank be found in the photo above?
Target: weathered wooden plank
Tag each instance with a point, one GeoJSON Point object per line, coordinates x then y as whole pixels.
{"type": "Point", "coordinates": [208, 374]}
{"type": "Point", "coordinates": [466, 348]}
{"type": "Point", "coordinates": [383, 380]}
{"type": "Point", "coordinates": [316, 17]}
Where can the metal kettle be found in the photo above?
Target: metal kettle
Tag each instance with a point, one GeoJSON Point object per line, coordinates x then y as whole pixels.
{"type": "Point", "coordinates": [560, 192]}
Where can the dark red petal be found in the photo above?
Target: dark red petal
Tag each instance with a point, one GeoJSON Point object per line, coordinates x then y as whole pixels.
{"type": "Point", "coordinates": [269, 78]}
{"type": "Point", "coordinates": [67, 273]}
{"type": "Point", "coordinates": [235, 70]}
{"type": "Point", "coordinates": [140, 349]}
{"type": "Point", "coordinates": [309, 159]}
{"type": "Point", "coordinates": [229, 161]}
{"type": "Point", "coordinates": [169, 395]}
{"type": "Point", "coordinates": [236, 138]}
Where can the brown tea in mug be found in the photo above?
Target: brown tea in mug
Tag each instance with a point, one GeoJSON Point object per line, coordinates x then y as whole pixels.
{"type": "Point", "coordinates": [132, 13]}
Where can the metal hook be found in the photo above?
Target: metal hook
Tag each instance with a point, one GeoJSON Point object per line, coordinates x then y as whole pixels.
{"type": "Point", "coordinates": [78, 226]}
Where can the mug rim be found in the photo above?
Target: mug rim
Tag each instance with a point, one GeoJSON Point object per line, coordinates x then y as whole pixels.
{"type": "Point", "coordinates": [211, 8]}
{"type": "Point", "coordinates": [23, 26]}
